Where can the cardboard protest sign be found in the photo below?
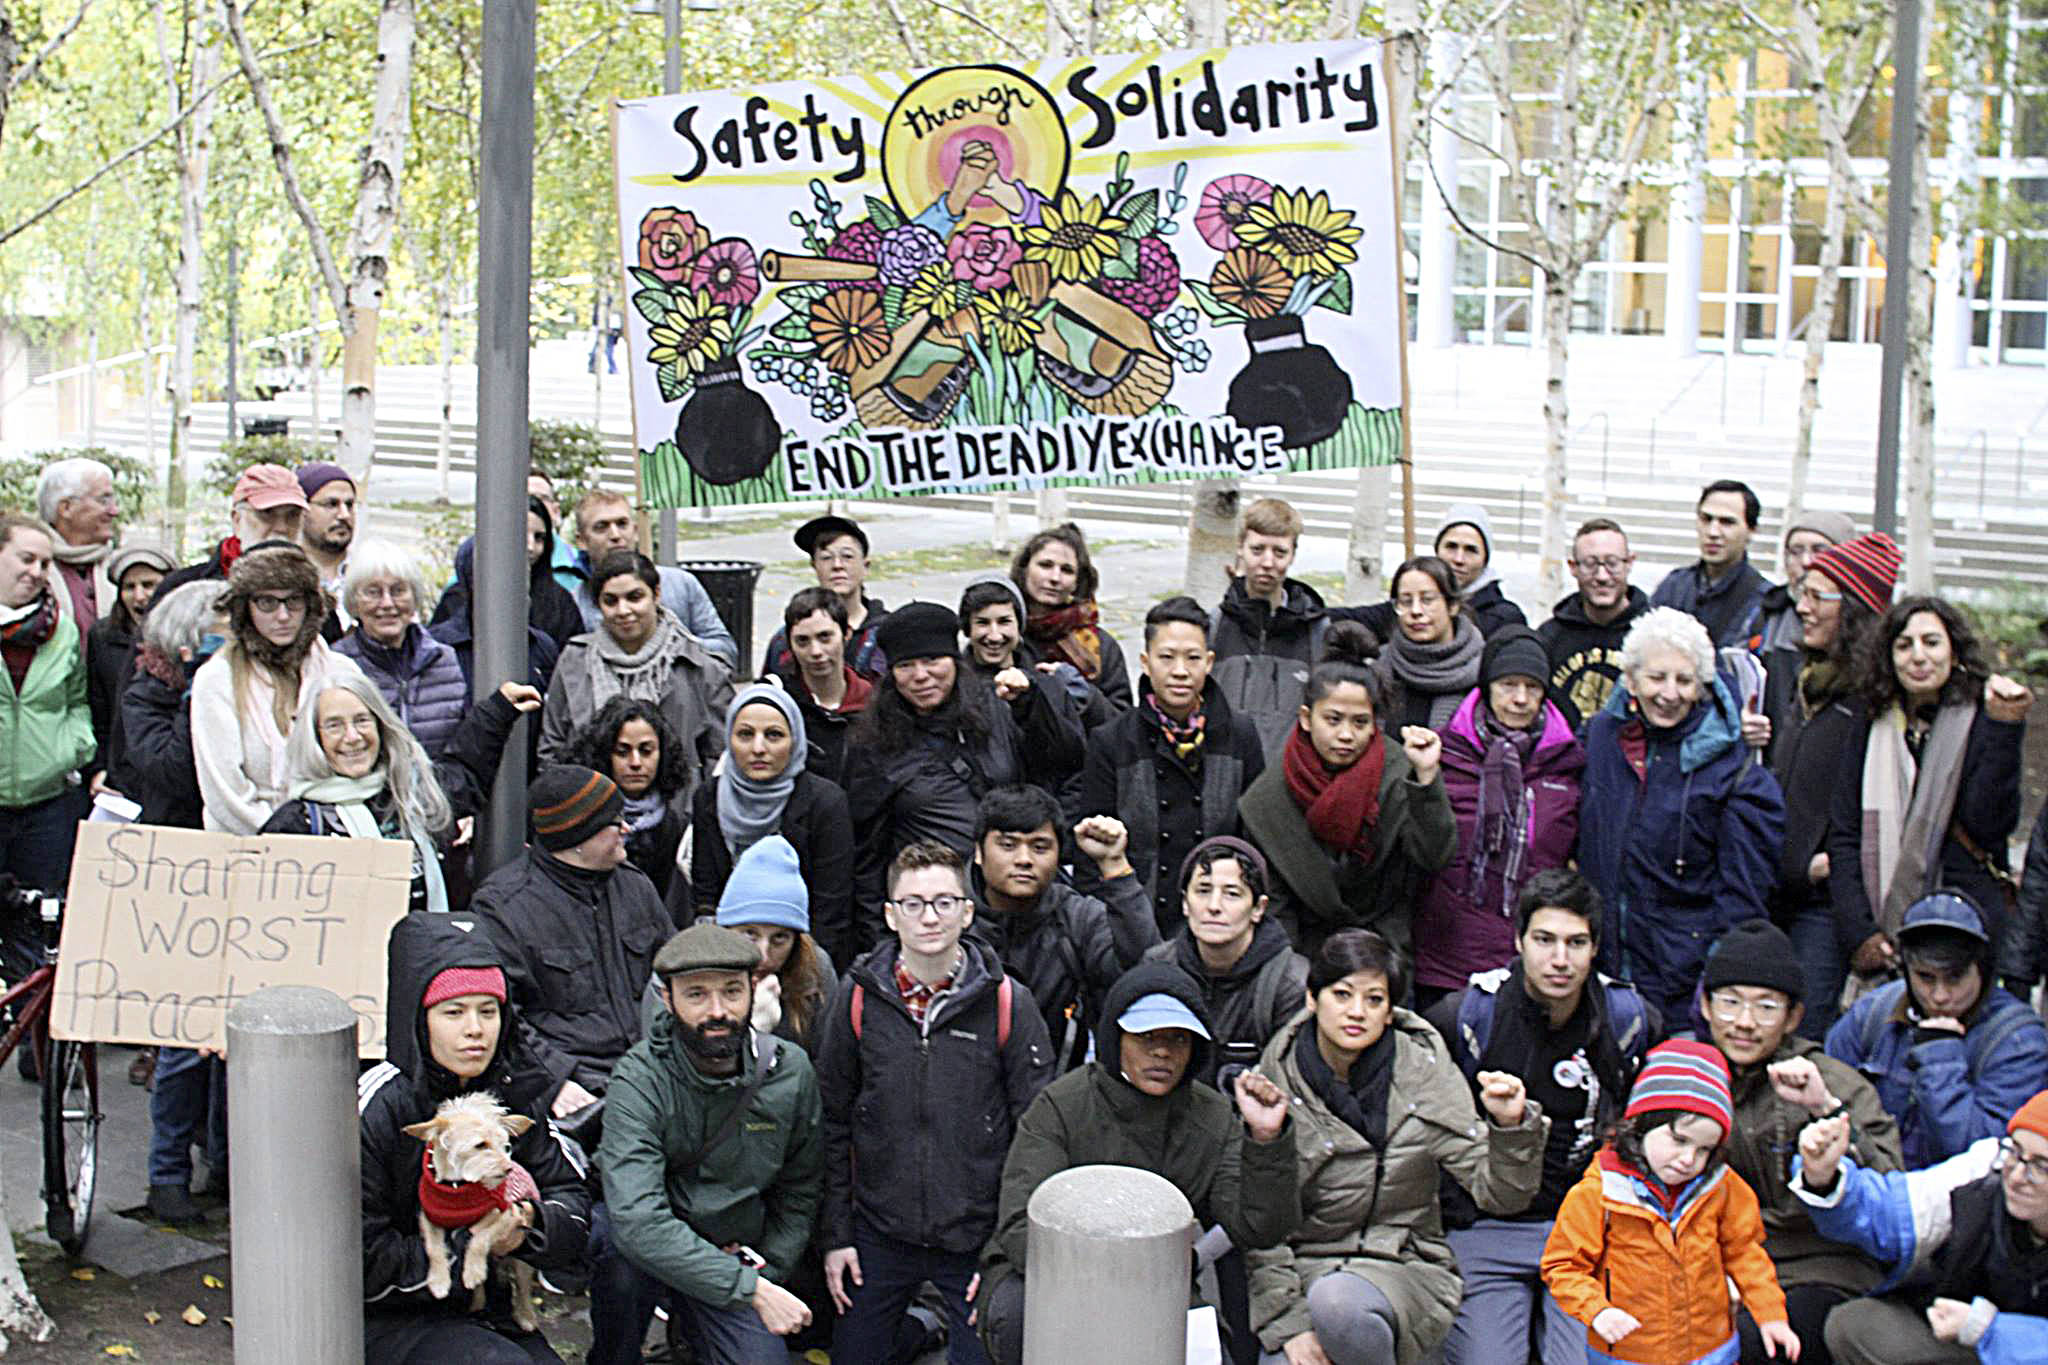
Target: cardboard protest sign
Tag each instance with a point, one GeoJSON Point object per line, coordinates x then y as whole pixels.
{"type": "Point", "coordinates": [166, 929]}
{"type": "Point", "coordinates": [1101, 269]}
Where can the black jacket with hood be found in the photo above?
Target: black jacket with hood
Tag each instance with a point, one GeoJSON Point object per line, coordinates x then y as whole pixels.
{"type": "Point", "coordinates": [578, 952]}
{"type": "Point", "coordinates": [917, 1121]}
{"type": "Point", "coordinates": [153, 764]}
{"type": "Point", "coordinates": [1192, 1136]}
{"type": "Point", "coordinates": [1264, 654]}
{"type": "Point", "coordinates": [406, 1088]}
{"type": "Point", "coordinates": [1585, 657]}
{"type": "Point", "coordinates": [1248, 1004]}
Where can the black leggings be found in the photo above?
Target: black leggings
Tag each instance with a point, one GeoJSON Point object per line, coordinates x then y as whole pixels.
{"type": "Point", "coordinates": [436, 1339]}
{"type": "Point", "coordinates": [1807, 1307]}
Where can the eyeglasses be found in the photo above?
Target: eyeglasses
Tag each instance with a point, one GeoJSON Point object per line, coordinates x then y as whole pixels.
{"type": "Point", "coordinates": [1817, 597]}
{"type": "Point", "coordinates": [917, 906]}
{"type": "Point", "coordinates": [383, 592]}
{"type": "Point", "coordinates": [334, 727]}
{"type": "Point", "coordinates": [1612, 565]}
{"type": "Point", "coordinates": [1728, 1008]}
{"type": "Point", "coordinates": [2032, 1169]}
{"type": "Point", "coordinates": [835, 556]}
{"type": "Point", "coordinates": [1420, 602]}
{"type": "Point", "coordinates": [268, 602]}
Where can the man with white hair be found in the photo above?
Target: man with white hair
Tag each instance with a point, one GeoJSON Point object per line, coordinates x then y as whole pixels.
{"type": "Point", "coordinates": [76, 497]}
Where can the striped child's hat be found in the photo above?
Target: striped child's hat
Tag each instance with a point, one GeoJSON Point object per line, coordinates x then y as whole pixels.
{"type": "Point", "coordinates": [1684, 1075]}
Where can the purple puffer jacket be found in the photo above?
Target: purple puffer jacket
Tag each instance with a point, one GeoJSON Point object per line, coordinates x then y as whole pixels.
{"type": "Point", "coordinates": [1459, 929]}
{"type": "Point", "coordinates": [421, 678]}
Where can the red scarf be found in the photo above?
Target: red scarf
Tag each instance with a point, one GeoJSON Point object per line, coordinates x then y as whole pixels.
{"type": "Point", "coordinates": [1342, 806]}
{"type": "Point", "coordinates": [1068, 634]}
{"type": "Point", "coordinates": [459, 1205]}
{"type": "Point", "coordinates": [858, 693]}
{"type": "Point", "coordinates": [1610, 1160]}
{"type": "Point", "coordinates": [230, 551]}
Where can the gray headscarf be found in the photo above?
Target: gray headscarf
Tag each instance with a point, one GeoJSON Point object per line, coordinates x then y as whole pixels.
{"type": "Point", "coordinates": [749, 811]}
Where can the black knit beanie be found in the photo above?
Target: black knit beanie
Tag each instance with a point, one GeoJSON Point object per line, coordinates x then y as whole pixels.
{"type": "Point", "coordinates": [1756, 953]}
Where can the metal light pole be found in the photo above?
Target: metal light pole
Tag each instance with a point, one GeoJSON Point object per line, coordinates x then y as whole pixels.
{"type": "Point", "coordinates": [498, 605]}
{"type": "Point", "coordinates": [671, 84]}
{"type": "Point", "coordinates": [1898, 265]}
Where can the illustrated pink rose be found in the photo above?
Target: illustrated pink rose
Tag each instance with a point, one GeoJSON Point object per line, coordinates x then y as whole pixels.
{"type": "Point", "coordinates": [1225, 204]}
{"type": "Point", "coordinates": [727, 271]}
{"type": "Point", "coordinates": [982, 255]}
{"type": "Point", "coordinates": [669, 238]}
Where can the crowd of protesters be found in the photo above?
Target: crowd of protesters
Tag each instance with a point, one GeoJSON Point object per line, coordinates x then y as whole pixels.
{"type": "Point", "coordinates": [1651, 985]}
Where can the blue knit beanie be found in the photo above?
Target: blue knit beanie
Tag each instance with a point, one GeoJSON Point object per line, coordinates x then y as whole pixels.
{"type": "Point", "coordinates": [767, 887]}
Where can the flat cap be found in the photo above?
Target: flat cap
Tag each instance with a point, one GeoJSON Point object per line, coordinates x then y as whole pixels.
{"type": "Point", "coordinates": [705, 947]}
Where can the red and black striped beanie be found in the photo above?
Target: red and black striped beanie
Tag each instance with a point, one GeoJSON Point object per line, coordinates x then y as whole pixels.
{"type": "Point", "coordinates": [1866, 567]}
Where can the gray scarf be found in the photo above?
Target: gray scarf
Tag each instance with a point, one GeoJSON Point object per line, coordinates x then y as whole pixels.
{"type": "Point", "coordinates": [1444, 672]}
{"type": "Point", "coordinates": [641, 674]}
{"type": "Point", "coordinates": [750, 811]}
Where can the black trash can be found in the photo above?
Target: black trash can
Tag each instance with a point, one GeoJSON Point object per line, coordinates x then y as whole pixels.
{"type": "Point", "coordinates": [730, 582]}
{"type": "Point", "coordinates": [267, 426]}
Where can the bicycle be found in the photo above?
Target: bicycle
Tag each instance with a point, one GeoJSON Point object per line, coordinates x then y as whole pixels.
{"type": "Point", "coordinates": [67, 1071]}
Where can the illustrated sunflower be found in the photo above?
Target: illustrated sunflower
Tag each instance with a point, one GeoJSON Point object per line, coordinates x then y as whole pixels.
{"type": "Point", "coordinates": [1302, 232]}
{"type": "Point", "coordinates": [1251, 280]}
{"type": "Point", "coordinates": [1074, 238]}
{"type": "Point", "coordinates": [694, 331]}
{"type": "Point", "coordinates": [849, 329]}
{"type": "Point", "coordinates": [1007, 319]}
{"type": "Point", "coordinates": [931, 292]}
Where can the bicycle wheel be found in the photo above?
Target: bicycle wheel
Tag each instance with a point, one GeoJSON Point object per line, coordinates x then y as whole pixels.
{"type": "Point", "coordinates": [71, 1139]}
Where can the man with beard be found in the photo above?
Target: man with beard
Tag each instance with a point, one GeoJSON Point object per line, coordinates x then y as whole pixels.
{"type": "Point", "coordinates": [1578, 1050]}
{"type": "Point", "coordinates": [1584, 633]}
{"type": "Point", "coordinates": [1753, 990]}
{"type": "Point", "coordinates": [328, 526]}
{"type": "Point", "coordinates": [713, 1168]}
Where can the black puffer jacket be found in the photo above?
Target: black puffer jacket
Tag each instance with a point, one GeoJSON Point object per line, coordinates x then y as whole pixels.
{"type": "Point", "coordinates": [1247, 1004]}
{"type": "Point", "coordinates": [818, 827]}
{"type": "Point", "coordinates": [578, 950]}
{"type": "Point", "coordinates": [917, 1122]}
{"type": "Point", "coordinates": [1069, 949]}
{"type": "Point", "coordinates": [406, 1088]}
{"type": "Point", "coordinates": [1168, 807]}
{"type": "Point", "coordinates": [154, 749]}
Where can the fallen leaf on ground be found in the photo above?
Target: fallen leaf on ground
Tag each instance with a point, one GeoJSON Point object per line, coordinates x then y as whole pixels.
{"type": "Point", "coordinates": [212, 1282]}
{"type": "Point", "coordinates": [82, 1273]}
{"type": "Point", "coordinates": [120, 1348]}
{"type": "Point", "coordinates": [192, 1315]}
{"type": "Point", "coordinates": [152, 1317]}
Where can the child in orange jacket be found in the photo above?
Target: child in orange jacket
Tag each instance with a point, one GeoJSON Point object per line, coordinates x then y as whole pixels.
{"type": "Point", "coordinates": [1644, 1246]}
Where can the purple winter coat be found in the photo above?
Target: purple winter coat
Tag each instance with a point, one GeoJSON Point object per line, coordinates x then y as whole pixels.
{"type": "Point", "coordinates": [421, 679]}
{"type": "Point", "coordinates": [1458, 929]}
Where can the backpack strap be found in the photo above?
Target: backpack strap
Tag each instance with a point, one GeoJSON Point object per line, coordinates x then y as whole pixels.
{"type": "Point", "coordinates": [1989, 1040]}
{"type": "Point", "coordinates": [1873, 1028]}
{"type": "Point", "coordinates": [316, 825]}
{"type": "Point", "coordinates": [853, 1009]}
{"type": "Point", "coordinates": [1003, 996]}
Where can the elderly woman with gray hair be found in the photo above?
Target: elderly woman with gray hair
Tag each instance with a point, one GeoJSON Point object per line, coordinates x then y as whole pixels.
{"type": "Point", "coordinates": [384, 592]}
{"type": "Point", "coordinates": [1679, 825]}
{"type": "Point", "coordinates": [354, 771]}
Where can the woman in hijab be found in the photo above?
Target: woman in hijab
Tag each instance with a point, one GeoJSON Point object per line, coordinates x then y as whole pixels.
{"type": "Point", "coordinates": [354, 771]}
{"type": "Point", "coordinates": [764, 789]}
{"type": "Point", "coordinates": [1058, 581]}
{"type": "Point", "coordinates": [549, 607]}
{"type": "Point", "coordinates": [1511, 770]}
{"type": "Point", "coordinates": [631, 742]}
{"type": "Point", "coordinates": [1432, 659]}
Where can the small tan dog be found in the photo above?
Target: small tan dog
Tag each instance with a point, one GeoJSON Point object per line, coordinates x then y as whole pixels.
{"type": "Point", "coordinates": [468, 1179]}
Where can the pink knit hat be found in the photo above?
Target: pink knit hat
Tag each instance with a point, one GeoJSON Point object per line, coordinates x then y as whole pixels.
{"type": "Point", "coordinates": [455, 981]}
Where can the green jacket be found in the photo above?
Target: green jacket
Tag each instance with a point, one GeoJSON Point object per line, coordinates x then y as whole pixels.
{"type": "Point", "coordinates": [1192, 1136]}
{"type": "Point", "coordinates": [760, 1187]}
{"type": "Point", "coordinates": [1313, 894]}
{"type": "Point", "coordinates": [1765, 1139]}
{"type": "Point", "coordinates": [46, 727]}
{"type": "Point", "coordinates": [1376, 1216]}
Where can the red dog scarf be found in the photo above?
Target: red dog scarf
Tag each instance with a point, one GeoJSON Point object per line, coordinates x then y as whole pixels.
{"type": "Point", "coordinates": [457, 1205]}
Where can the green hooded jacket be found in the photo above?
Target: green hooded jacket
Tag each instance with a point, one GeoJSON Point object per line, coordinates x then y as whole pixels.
{"type": "Point", "coordinates": [46, 727]}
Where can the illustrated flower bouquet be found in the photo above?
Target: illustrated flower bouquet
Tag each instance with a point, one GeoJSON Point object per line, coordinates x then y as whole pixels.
{"type": "Point", "coordinates": [697, 296]}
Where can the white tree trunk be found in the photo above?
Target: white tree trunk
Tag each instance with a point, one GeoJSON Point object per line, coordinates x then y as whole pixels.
{"type": "Point", "coordinates": [1365, 568]}
{"type": "Point", "coordinates": [1952, 320]}
{"type": "Point", "coordinates": [1557, 318]}
{"type": "Point", "coordinates": [1820, 326]}
{"type": "Point", "coordinates": [1212, 539]}
{"type": "Point", "coordinates": [193, 149]}
{"type": "Point", "coordinates": [20, 1314]}
{"type": "Point", "coordinates": [370, 236]}
{"type": "Point", "coordinates": [444, 341]}
{"type": "Point", "coordinates": [1918, 423]}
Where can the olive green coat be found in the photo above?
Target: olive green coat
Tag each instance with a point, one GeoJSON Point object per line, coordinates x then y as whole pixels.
{"type": "Point", "coordinates": [1377, 1216]}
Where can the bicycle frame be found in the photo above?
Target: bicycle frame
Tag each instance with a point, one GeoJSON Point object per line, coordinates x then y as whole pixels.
{"type": "Point", "coordinates": [30, 1000]}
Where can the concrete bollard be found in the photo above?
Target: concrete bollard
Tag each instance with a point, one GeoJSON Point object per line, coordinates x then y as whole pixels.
{"type": "Point", "coordinates": [296, 1178]}
{"type": "Point", "coordinates": [1108, 1261]}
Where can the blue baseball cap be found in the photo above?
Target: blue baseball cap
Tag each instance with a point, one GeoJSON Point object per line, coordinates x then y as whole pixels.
{"type": "Point", "coordinates": [1950, 910]}
{"type": "Point", "coordinates": [1160, 1010]}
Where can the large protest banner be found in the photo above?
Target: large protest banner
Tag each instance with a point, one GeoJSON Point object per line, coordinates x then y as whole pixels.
{"type": "Point", "coordinates": [166, 929]}
{"type": "Point", "coordinates": [1103, 269]}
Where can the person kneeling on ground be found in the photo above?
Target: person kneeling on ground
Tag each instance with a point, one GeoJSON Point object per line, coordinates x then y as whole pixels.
{"type": "Point", "coordinates": [712, 1166]}
{"type": "Point", "coordinates": [1136, 1105]}
{"type": "Point", "coordinates": [1967, 1278]}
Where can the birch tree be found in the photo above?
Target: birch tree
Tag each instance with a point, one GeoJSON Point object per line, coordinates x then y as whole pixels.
{"type": "Point", "coordinates": [359, 299]}
{"type": "Point", "coordinates": [192, 148]}
{"type": "Point", "coordinates": [1212, 511]}
{"type": "Point", "coordinates": [1601, 72]}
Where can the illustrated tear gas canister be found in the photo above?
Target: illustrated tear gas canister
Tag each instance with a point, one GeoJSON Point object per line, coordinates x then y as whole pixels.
{"type": "Point", "coordinates": [727, 432]}
{"type": "Point", "coordinates": [916, 382]}
{"type": "Point", "coordinates": [1289, 383]}
{"type": "Point", "coordinates": [1102, 353]}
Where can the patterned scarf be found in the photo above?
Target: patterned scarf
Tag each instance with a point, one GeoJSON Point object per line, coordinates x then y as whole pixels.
{"type": "Point", "coordinates": [31, 625]}
{"type": "Point", "coordinates": [641, 674]}
{"type": "Point", "coordinates": [1503, 812]}
{"type": "Point", "coordinates": [1069, 634]}
{"type": "Point", "coordinates": [1185, 736]}
{"type": "Point", "coordinates": [1342, 805]}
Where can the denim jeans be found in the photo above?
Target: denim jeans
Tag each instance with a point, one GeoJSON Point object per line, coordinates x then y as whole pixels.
{"type": "Point", "coordinates": [1812, 931]}
{"type": "Point", "coordinates": [191, 1094]}
{"type": "Point", "coordinates": [1497, 1259]}
{"type": "Point", "coordinates": [891, 1272]}
{"type": "Point", "coordinates": [35, 842]}
{"type": "Point", "coordinates": [623, 1297]}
